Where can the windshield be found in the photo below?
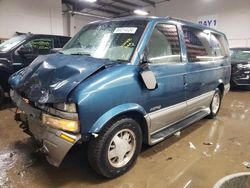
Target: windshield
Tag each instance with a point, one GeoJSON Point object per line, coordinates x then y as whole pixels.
{"type": "Point", "coordinates": [8, 44]}
{"type": "Point", "coordinates": [115, 40]}
{"type": "Point", "coordinates": [240, 55]}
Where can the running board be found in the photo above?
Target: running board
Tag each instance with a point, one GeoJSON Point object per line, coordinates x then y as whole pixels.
{"type": "Point", "coordinates": [169, 130]}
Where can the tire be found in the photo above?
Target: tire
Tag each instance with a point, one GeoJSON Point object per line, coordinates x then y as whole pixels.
{"type": "Point", "coordinates": [215, 104]}
{"type": "Point", "coordinates": [233, 86]}
{"type": "Point", "coordinates": [1, 95]}
{"type": "Point", "coordinates": [102, 152]}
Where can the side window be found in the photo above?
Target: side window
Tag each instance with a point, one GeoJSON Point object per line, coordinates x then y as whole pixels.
{"type": "Point", "coordinates": [63, 41]}
{"type": "Point", "coordinates": [164, 46]}
{"type": "Point", "coordinates": [220, 46]}
{"type": "Point", "coordinates": [56, 42]}
{"type": "Point", "coordinates": [198, 45]}
{"type": "Point", "coordinates": [40, 46]}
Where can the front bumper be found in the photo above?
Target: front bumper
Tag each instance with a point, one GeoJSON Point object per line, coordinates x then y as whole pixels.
{"type": "Point", "coordinates": [52, 140]}
{"type": "Point", "coordinates": [240, 77]}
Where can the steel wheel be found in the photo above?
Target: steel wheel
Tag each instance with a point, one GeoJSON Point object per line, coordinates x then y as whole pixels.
{"type": "Point", "coordinates": [116, 148]}
{"type": "Point", "coordinates": [215, 103]}
{"type": "Point", "coordinates": [121, 148]}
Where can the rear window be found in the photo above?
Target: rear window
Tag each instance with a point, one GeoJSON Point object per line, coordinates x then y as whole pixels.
{"type": "Point", "coordinates": [220, 45]}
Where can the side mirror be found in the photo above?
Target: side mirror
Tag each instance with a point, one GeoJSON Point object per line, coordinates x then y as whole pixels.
{"type": "Point", "coordinates": [147, 75]}
{"type": "Point", "coordinates": [25, 50]}
{"type": "Point", "coordinates": [149, 79]}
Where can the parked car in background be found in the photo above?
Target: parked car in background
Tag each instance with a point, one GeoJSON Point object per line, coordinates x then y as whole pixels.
{"type": "Point", "coordinates": [120, 83]}
{"type": "Point", "coordinates": [240, 60]}
{"type": "Point", "coordinates": [19, 51]}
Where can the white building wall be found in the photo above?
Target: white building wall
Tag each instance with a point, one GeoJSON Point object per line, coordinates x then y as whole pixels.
{"type": "Point", "coordinates": [233, 17]}
{"type": "Point", "coordinates": [36, 16]}
{"type": "Point", "coordinates": [66, 24]}
{"type": "Point", "coordinates": [79, 22]}
{"type": "Point", "coordinates": [73, 23]}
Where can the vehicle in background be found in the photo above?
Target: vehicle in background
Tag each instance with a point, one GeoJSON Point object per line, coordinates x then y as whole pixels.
{"type": "Point", "coordinates": [240, 61]}
{"type": "Point", "coordinates": [19, 51]}
{"type": "Point", "coordinates": [120, 83]}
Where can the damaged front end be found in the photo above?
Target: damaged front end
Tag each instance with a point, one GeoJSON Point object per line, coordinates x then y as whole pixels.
{"type": "Point", "coordinates": [240, 73]}
{"type": "Point", "coordinates": [40, 93]}
{"type": "Point", "coordinates": [50, 78]}
{"type": "Point", "coordinates": [56, 135]}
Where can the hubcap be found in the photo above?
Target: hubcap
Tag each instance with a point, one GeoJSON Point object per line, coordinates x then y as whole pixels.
{"type": "Point", "coordinates": [121, 148]}
{"type": "Point", "coordinates": [216, 103]}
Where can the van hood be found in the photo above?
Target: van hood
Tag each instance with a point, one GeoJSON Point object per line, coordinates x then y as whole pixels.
{"type": "Point", "coordinates": [50, 78]}
{"type": "Point", "coordinates": [234, 62]}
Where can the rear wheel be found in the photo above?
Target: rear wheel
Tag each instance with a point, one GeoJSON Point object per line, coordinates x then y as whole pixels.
{"type": "Point", "coordinates": [116, 148]}
{"type": "Point", "coordinates": [215, 104]}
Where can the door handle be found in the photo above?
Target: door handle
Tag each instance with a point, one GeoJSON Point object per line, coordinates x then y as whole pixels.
{"type": "Point", "coordinates": [185, 80]}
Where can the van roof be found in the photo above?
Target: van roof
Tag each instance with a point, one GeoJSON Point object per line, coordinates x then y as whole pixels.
{"type": "Point", "coordinates": [150, 18]}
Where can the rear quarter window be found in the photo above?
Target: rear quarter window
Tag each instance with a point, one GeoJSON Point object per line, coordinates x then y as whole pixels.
{"type": "Point", "coordinates": [204, 45]}
{"type": "Point", "coordinates": [198, 45]}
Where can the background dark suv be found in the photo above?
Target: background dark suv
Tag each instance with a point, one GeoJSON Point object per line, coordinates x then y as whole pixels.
{"type": "Point", "coordinates": [19, 51]}
{"type": "Point", "coordinates": [240, 76]}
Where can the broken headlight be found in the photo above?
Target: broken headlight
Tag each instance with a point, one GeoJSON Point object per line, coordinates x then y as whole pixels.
{"type": "Point", "coordinates": [66, 107]}
{"type": "Point", "coordinates": [59, 123]}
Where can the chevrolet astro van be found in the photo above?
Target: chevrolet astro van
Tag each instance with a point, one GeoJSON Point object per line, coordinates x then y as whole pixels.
{"type": "Point", "coordinates": [120, 83]}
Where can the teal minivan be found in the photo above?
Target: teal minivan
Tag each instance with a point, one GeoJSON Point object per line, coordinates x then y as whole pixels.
{"type": "Point", "coordinates": [120, 83]}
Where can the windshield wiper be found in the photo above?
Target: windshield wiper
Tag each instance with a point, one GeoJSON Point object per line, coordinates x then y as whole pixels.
{"type": "Point", "coordinates": [117, 61]}
{"type": "Point", "coordinates": [121, 60]}
{"type": "Point", "coordinates": [78, 53]}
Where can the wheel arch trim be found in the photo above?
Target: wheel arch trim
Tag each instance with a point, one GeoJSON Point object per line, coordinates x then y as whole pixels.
{"type": "Point", "coordinates": [224, 87]}
{"type": "Point", "coordinates": [114, 112]}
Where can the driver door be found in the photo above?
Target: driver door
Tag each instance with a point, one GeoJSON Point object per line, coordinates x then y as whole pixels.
{"type": "Point", "coordinates": [167, 103]}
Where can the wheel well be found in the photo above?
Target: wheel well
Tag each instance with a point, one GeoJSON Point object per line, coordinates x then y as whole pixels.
{"type": "Point", "coordinates": [221, 88]}
{"type": "Point", "coordinates": [137, 116]}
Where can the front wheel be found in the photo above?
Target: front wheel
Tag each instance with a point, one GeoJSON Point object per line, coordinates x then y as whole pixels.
{"type": "Point", "coordinates": [215, 104]}
{"type": "Point", "coordinates": [116, 148]}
